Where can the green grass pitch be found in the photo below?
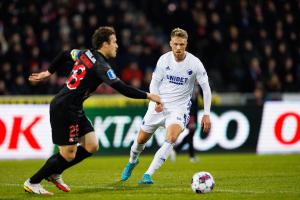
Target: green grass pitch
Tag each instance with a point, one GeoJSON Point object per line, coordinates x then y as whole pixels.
{"type": "Point", "coordinates": [237, 176]}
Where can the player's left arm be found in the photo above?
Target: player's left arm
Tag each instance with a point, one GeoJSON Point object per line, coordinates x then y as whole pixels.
{"type": "Point", "coordinates": [205, 122]}
{"type": "Point", "coordinates": [202, 79]}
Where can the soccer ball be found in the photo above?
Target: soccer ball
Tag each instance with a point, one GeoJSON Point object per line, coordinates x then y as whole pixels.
{"type": "Point", "coordinates": [202, 182]}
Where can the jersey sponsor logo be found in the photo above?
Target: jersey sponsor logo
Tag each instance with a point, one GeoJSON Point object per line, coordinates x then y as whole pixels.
{"type": "Point", "coordinates": [111, 74]}
{"type": "Point", "coordinates": [176, 79]}
{"type": "Point", "coordinates": [90, 56]}
{"type": "Point", "coordinates": [88, 59]}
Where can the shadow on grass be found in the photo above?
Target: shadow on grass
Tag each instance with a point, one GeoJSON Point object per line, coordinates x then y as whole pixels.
{"type": "Point", "coordinates": [115, 186]}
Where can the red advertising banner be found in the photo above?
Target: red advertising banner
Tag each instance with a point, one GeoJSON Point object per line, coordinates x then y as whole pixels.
{"type": "Point", "coordinates": [25, 132]}
{"type": "Point", "coordinates": [280, 128]}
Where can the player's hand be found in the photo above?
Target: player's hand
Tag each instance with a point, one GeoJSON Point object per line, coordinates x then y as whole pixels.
{"type": "Point", "coordinates": [38, 77]}
{"type": "Point", "coordinates": [192, 122]}
{"type": "Point", "coordinates": [205, 123]}
{"type": "Point", "coordinates": [159, 107]}
{"type": "Point", "coordinates": [154, 97]}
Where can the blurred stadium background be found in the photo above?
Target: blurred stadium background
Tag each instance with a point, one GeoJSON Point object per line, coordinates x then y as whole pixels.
{"type": "Point", "coordinates": [251, 50]}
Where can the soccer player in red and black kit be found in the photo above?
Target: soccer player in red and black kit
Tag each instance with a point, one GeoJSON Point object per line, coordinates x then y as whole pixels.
{"type": "Point", "coordinates": [69, 124]}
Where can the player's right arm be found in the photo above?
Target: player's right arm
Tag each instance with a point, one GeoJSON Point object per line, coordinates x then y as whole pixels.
{"type": "Point", "coordinates": [132, 92]}
{"type": "Point", "coordinates": [61, 59]}
{"type": "Point", "coordinates": [38, 77]}
{"type": "Point", "coordinates": [108, 76]}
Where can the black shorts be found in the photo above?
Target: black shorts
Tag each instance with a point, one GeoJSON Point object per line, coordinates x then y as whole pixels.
{"type": "Point", "coordinates": [68, 126]}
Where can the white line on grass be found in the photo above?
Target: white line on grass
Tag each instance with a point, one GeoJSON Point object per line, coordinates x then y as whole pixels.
{"type": "Point", "coordinates": [164, 188]}
{"type": "Point", "coordinates": [246, 191]}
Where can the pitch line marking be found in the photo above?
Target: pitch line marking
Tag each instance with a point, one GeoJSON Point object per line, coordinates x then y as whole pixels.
{"type": "Point", "coordinates": [163, 188]}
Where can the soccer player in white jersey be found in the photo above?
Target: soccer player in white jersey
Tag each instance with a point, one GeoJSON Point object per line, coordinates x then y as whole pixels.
{"type": "Point", "coordinates": [173, 80]}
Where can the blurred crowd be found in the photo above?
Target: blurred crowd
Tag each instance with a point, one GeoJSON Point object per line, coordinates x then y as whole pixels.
{"type": "Point", "coordinates": [246, 46]}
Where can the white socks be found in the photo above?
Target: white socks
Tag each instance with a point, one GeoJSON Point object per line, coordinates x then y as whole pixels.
{"type": "Point", "coordinates": [160, 157]}
{"type": "Point", "coordinates": [136, 150]}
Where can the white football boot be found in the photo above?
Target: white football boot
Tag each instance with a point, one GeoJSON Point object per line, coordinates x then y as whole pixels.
{"type": "Point", "coordinates": [35, 188]}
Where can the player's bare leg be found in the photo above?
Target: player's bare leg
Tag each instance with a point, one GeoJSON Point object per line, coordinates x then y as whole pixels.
{"type": "Point", "coordinates": [136, 149]}
{"type": "Point", "coordinates": [55, 163]}
{"type": "Point", "coordinates": [88, 145]}
{"type": "Point", "coordinates": [173, 131]}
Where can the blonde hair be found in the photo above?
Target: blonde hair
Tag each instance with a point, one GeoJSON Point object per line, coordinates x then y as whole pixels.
{"type": "Point", "coordinates": [178, 32]}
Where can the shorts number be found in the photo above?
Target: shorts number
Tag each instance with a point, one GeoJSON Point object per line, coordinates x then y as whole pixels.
{"type": "Point", "coordinates": [74, 133]}
{"type": "Point", "coordinates": [77, 74]}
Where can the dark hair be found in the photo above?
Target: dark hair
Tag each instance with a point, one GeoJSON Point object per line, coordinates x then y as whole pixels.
{"type": "Point", "coordinates": [102, 35]}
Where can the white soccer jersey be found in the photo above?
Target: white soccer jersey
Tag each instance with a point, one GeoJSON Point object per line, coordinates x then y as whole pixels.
{"type": "Point", "coordinates": [177, 79]}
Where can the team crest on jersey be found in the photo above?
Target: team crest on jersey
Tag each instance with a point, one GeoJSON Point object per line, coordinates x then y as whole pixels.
{"type": "Point", "coordinates": [189, 72]}
{"type": "Point", "coordinates": [168, 68]}
{"type": "Point", "coordinates": [111, 74]}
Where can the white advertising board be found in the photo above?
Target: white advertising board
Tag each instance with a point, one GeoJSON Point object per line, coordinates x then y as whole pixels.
{"type": "Point", "coordinates": [25, 132]}
{"type": "Point", "coordinates": [280, 128]}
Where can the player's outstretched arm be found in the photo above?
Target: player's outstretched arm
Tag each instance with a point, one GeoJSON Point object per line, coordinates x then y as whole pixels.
{"type": "Point", "coordinates": [62, 59]}
{"type": "Point", "coordinates": [155, 98]}
{"type": "Point", "coordinates": [38, 77]}
{"type": "Point", "coordinates": [132, 92]}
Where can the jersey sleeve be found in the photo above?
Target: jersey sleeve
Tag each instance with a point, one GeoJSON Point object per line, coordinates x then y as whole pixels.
{"type": "Point", "coordinates": [62, 59]}
{"type": "Point", "coordinates": [106, 73]}
{"type": "Point", "coordinates": [158, 73]}
{"type": "Point", "coordinates": [128, 91]}
{"type": "Point", "coordinates": [201, 74]}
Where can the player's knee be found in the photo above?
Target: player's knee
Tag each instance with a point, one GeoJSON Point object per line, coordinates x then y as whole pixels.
{"type": "Point", "coordinates": [92, 148]}
{"type": "Point", "coordinates": [68, 155]}
{"type": "Point", "coordinates": [172, 138]}
{"type": "Point", "coordinates": [141, 140]}
{"type": "Point", "coordinates": [143, 137]}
